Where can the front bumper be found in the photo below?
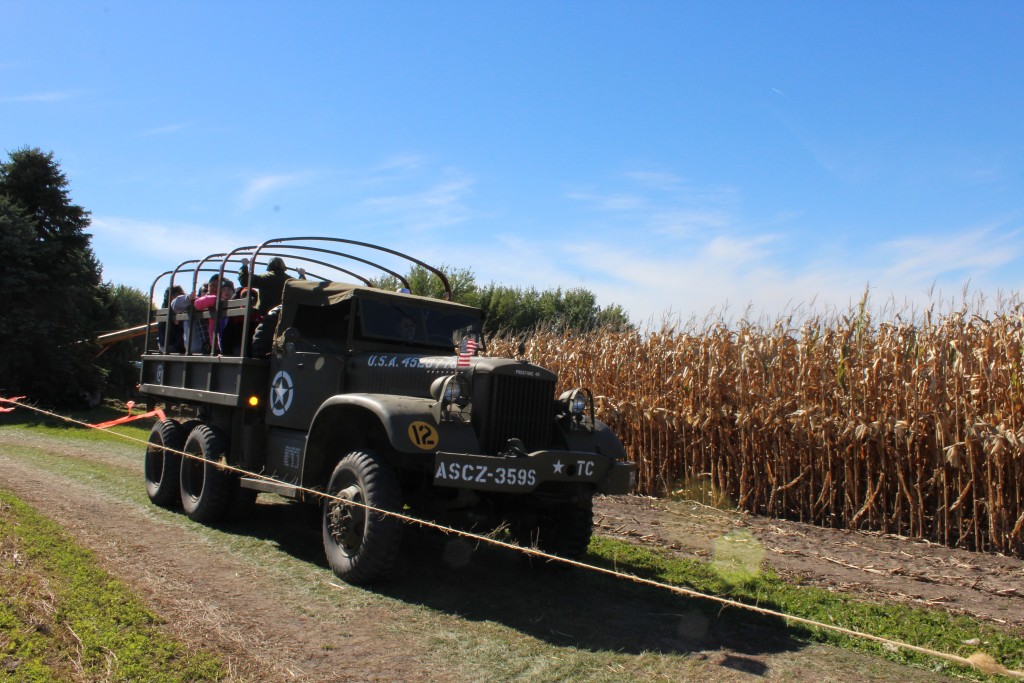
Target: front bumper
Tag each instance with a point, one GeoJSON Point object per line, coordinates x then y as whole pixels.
{"type": "Point", "coordinates": [524, 474]}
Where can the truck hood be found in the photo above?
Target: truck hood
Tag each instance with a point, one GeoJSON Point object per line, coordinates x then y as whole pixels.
{"type": "Point", "coordinates": [411, 374]}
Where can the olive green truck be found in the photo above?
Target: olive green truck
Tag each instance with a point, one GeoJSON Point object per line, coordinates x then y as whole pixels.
{"type": "Point", "coordinates": [382, 399]}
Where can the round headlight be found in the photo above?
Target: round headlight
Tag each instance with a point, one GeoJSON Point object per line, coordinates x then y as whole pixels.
{"type": "Point", "coordinates": [449, 389]}
{"type": "Point", "coordinates": [452, 390]}
{"type": "Point", "coordinates": [574, 402]}
{"type": "Point", "coordinates": [437, 386]}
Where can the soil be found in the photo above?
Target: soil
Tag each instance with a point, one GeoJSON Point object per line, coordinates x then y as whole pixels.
{"type": "Point", "coordinates": [266, 632]}
{"type": "Point", "coordinates": [871, 566]}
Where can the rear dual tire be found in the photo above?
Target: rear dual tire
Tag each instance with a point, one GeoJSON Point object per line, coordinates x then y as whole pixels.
{"type": "Point", "coordinates": [205, 491]}
{"type": "Point", "coordinates": [162, 465]}
{"type": "Point", "coordinates": [206, 488]}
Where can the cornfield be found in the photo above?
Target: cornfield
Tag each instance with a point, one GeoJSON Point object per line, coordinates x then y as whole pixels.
{"type": "Point", "coordinates": [911, 429]}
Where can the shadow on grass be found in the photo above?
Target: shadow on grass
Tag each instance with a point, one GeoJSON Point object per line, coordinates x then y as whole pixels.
{"type": "Point", "coordinates": [565, 607]}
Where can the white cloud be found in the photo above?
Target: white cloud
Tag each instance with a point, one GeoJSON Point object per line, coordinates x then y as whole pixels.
{"type": "Point", "coordinates": [257, 189]}
{"type": "Point", "coordinates": [680, 223]}
{"type": "Point", "coordinates": [927, 258]}
{"type": "Point", "coordinates": [746, 275]}
{"type": "Point", "coordinates": [656, 179]}
{"type": "Point", "coordinates": [663, 203]}
{"type": "Point", "coordinates": [720, 274]}
{"type": "Point", "coordinates": [658, 247]}
{"type": "Point", "coordinates": [610, 202]}
{"type": "Point", "coordinates": [402, 163]}
{"type": "Point", "coordinates": [738, 251]}
{"type": "Point", "coordinates": [441, 204]}
{"type": "Point", "coordinates": [44, 97]}
{"type": "Point", "coordinates": [650, 242]}
{"type": "Point", "coordinates": [134, 252]}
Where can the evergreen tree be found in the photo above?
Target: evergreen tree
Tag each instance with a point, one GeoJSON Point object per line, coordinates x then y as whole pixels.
{"type": "Point", "coordinates": [52, 278]}
{"type": "Point", "coordinates": [131, 308]}
{"type": "Point", "coordinates": [17, 282]}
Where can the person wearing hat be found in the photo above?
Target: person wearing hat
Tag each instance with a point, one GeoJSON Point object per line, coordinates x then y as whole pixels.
{"type": "Point", "coordinates": [270, 285]}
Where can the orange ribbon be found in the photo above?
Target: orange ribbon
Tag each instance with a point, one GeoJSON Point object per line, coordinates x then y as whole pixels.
{"type": "Point", "coordinates": [10, 400]}
{"type": "Point", "coordinates": [129, 417]}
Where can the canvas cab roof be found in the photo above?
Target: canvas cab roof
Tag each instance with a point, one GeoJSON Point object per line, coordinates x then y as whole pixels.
{"type": "Point", "coordinates": [379, 313]}
{"type": "Point", "coordinates": [310, 293]}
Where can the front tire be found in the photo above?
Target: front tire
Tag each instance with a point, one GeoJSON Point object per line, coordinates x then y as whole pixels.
{"type": "Point", "coordinates": [205, 487]}
{"type": "Point", "coordinates": [362, 546]}
{"type": "Point", "coordinates": [162, 467]}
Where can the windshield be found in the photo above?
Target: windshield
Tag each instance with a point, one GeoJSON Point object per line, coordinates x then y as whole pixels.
{"type": "Point", "coordinates": [415, 323]}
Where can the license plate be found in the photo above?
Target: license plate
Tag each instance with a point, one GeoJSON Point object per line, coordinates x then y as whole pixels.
{"type": "Point", "coordinates": [517, 475]}
{"type": "Point", "coordinates": [501, 476]}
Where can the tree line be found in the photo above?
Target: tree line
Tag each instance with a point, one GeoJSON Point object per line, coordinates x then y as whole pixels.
{"type": "Point", "coordinates": [56, 302]}
{"type": "Point", "coordinates": [516, 310]}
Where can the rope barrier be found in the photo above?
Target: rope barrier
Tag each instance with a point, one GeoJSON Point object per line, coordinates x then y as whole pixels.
{"type": "Point", "coordinates": [979, 661]}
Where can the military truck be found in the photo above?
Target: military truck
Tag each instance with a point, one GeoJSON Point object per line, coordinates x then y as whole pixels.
{"type": "Point", "coordinates": [379, 398]}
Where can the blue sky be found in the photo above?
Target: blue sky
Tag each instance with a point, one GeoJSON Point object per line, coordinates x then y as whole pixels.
{"type": "Point", "coordinates": [676, 158]}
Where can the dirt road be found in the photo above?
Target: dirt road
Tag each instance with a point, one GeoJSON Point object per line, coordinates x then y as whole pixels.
{"type": "Point", "coordinates": [259, 594]}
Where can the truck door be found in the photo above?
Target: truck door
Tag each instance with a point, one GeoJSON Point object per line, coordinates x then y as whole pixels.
{"type": "Point", "coordinates": [311, 366]}
{"type": "Point", "coordinates": [300, 381]}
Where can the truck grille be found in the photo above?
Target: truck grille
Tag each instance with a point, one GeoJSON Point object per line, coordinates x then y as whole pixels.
{"type": "Point", "coordinates": [520, 408]}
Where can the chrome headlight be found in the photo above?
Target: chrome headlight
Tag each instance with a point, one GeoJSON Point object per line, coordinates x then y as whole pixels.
{"type": "Point", "coordinates": [573, 402]}
{"type": "Point", "coordinates": [450, 389]}
{"type": "Point", "coordinates": [450, 392]}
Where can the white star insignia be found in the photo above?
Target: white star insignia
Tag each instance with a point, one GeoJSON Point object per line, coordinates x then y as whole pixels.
{"type": "Point", "coordinates": [558, 467]}
{"type": "Point", "coordinates": [281, 393]}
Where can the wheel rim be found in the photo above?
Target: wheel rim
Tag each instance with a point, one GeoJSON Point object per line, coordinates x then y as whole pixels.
{"type": "Point", "coordinates": [347, 523]}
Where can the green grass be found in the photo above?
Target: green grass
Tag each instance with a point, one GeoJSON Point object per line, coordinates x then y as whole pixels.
{"type": "Point", "coordinates": [736, 574]}
{"type": "Point", "coordinates": [23, 418]}
{"type": "Point", "coordinates": [62, 617]}
{"type": "Point", "coordinates": [929, 628]}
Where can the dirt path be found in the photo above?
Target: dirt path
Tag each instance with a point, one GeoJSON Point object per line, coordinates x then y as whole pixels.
{"type": "Point", "coordinates": [871, 566]}
{"type": "Point", "coordinates": [276, 614]}
{"type": "Point", "coordinates": [207, 596]}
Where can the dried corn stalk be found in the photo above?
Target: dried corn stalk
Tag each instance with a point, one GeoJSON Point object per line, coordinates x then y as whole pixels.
{"type": "Point", "coordinates": [913, 429]}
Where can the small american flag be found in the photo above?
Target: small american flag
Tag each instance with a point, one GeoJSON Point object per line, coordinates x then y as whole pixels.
{"type": "Point", "coordinates": [467, 351]}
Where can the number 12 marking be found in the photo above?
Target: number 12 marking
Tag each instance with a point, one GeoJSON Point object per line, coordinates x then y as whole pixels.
{"type": "Point", "coordinates": [423, 435]}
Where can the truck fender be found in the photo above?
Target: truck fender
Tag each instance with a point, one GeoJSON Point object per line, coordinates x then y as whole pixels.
{"type": "Point", "coordinates": [602, 440]}
{"type": "Point", "coordinates": [345, 422]}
